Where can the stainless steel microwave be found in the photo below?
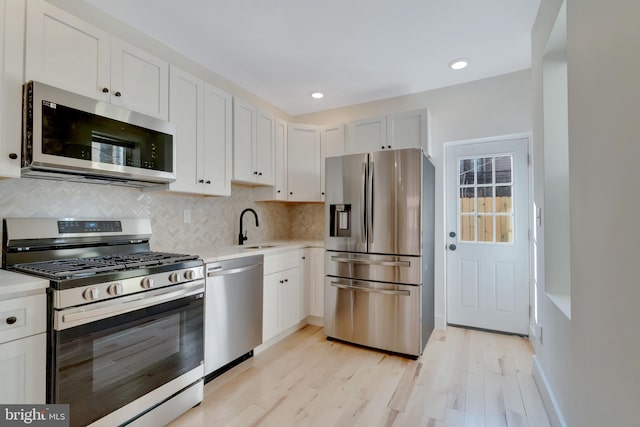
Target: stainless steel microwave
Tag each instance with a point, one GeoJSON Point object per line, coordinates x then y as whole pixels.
{"type": "Point", "coordinates": [67, 136]}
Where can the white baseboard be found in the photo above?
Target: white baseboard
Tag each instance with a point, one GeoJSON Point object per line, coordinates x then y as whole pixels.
{"type": "Point", "coordinates": [440, 322]}
{"type": "Point", "coordinates": [548, 399]}
{"type": "Point", "coordinates": [282, 335]}
{"type": "Point", "coordinates": [315, 320]}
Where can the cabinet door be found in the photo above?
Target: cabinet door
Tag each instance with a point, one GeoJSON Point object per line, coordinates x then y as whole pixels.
{"type": "Point", "coordinates": [265, 147]}
{"type": "Point", "coordinates": [22, 369]}
{"type": "Point", "coordinates": [303, 163]}
{"type": "Point", "coordinates": [331, 144]}
{"type": "Point", "coordinates": [139, 80]}
{"type": "Point", "coordinates": [185, 111]}
{"type": "Point", "coordinates": [244, 136]}
{"type": "Point", "coordinates": [216, 153]}
{"type": "Point", "coordinates": [316, 281]}
{"type": "Point", "coordinates": [64, 51]}
{"type": "Point", "coordinates": [271, 306]}
{"type": "Point", "coordinates": [367, 135]}
{"type": "Point", "coordinates": [290, 296]}
{"type": "Point", "coordinates": [281, 160]}
{"type": "Point", "coordinates": [12, 14]}
{"type": "Point", "coordinates": [407, 129]}
{"type": "Point", "coordinates": [305, 294]}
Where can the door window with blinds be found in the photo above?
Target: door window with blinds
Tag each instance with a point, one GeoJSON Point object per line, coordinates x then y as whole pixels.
{"type": "Point", "coordinates": [485, 203]}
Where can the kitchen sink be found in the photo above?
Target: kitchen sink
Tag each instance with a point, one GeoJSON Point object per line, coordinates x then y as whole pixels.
{"type": "Point", "coordinates": [259, 246]}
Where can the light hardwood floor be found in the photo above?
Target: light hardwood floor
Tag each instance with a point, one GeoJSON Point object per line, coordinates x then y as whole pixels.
{"type": "Point", "coordinates": [464, 378]}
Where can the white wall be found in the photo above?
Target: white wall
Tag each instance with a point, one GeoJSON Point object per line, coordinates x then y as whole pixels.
{"type": "Point", "coordinates": [592, 362]}
{"type": "Point", "coordinates": [484, 108]}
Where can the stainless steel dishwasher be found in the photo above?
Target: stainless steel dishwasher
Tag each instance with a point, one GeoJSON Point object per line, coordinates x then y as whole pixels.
{"type": "Point", "coordinates": [233, 312]}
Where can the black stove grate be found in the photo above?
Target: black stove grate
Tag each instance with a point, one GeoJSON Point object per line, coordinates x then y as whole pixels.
{"type": "Point", "coordinates": [79, 267]}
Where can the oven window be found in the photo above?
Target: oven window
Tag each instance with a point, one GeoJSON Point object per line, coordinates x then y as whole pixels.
{"type": "Point", "coordinates": [102, 366]}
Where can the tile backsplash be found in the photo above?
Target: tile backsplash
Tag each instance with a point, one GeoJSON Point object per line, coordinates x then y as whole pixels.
{"type": "Point", "coordinates": [214, 220]}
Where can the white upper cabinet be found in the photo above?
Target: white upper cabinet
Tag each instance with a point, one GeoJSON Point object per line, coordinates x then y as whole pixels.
{"type": "Point", "coordinates": [217, 146]}
{"type": "Point", "coordinates": [367, 135]}
{"type": "Point", "coordinates": [12, 14]}
{"type": "Point", "coordinates": [67, 52]}
{"type": "Point", "coordinates": [253, 144]}
{"type": "Point", "coordinates": [202, 115]}
{"type": "Point", "coordinates": [279, 190]}
{"type": "Point", "coordinates": [331, 144]}
{"type": "Point", "coordinates": [139, 80]}
{"type": "Point", "coordinates": [407, 129]}
{"type": "Point", "coordinates": [303, 163]}
{"type": "Point", "coordinates": [265, 147]}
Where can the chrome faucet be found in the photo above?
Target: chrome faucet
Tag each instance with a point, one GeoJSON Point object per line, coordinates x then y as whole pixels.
{"type": "Point", "coordinates": [243, 236]}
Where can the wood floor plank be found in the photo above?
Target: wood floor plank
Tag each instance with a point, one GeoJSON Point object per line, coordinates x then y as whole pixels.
{"type": "Point", "coordinates": [464, 378]}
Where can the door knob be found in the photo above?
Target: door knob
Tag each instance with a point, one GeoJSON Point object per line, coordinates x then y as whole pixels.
{"type": "Point", "coordinates": [452, 247]}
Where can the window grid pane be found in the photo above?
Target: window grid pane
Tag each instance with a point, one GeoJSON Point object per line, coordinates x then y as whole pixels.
{"type": "Point", "coordinates": [485, 202]}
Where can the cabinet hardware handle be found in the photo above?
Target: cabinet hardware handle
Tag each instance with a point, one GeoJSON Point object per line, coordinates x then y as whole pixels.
{"type": "Point", "coordinates": [13, 156]}
{"type": "Point", "coordinates": [291, 192]}
{"type": "Point", "coordinates": [286, 280]}
{"type": "Point", "coordinates": [323, 193]}
{"type": "Point", "coordinates": [208, 182]}
{"type": "Point", "coordinates": [388, 146]}
{"type": "Point", "coordinates": [278, 191]}
{"type": "Point", "coordinates": [118, 94]}
{"type": "Point", "coordinates": [11, 320]}
{"type": "Point", "coordinates": [105, 90]}
{"type": "Point", "coordinates": [201, 181]}
{"type": "Point", "coordinates": [304, 257]}
{"type": "Point", "coordinates": [260, 173]}
{"type": "Point", "coordinates": [383, 147]}
{"type": "Point", "coordinates": [255, 172]}
{"type": "Point", "coordinates": [281, 281]}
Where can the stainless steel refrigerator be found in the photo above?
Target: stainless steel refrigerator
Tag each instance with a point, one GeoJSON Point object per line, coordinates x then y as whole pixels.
{"type": "Point", "coordinates": [379, 240]}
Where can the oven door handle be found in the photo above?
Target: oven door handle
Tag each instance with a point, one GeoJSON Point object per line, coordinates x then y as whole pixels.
{"type": "Point", "coordinates": [86, 316]}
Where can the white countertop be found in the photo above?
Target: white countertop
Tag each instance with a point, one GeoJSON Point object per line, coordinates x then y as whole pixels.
{"type": "Point", "coordinates": [14, 283]}
{"type": "Point", "coordinates": [221, 253]}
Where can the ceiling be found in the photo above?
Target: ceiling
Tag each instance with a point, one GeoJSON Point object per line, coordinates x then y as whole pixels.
{"type": "Point", "coordinates": [352, 50]}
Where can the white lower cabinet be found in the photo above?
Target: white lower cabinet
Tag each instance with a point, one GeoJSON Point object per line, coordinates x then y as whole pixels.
{"type": "Point", "coordinates": [23, 349]}
{"type": "Point", "coordinates": [282, 297]}
{"type": "Point", "coordinates": [23, 369]}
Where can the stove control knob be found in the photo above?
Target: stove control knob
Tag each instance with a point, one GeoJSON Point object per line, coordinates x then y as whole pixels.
{"type": "Point", "coordinates": [115, 289]}
{"type": "Point", "coordinates": [174, 277]}
{"type": "Point", "coordinates": [147, 283]}
{"type": "Point", "coordinates": [91, 294]}
{"type": "Point", "coordinates": [189, 275]}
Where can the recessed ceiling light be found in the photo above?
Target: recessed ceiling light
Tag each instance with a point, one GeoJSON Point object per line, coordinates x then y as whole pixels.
{"type": "Point", "coordinates": [317, 95]}
{"type": "Point", "coordinates": [459, 64]}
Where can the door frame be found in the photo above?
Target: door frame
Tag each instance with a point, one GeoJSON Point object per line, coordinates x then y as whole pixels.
{"type": "Point", "coordinates": [530, 213]}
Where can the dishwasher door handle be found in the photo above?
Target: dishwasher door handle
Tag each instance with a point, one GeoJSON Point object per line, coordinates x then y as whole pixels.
{"type": "Point", "coordinates": [370, 290]}
{"type": "Point", "coordinates": [217, 271]}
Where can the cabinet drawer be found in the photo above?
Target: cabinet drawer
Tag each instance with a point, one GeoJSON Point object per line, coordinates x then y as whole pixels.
{"type": "Point", "coordinates": [281, 261]}
{"type": "Point", "coordinates": [22, 317]}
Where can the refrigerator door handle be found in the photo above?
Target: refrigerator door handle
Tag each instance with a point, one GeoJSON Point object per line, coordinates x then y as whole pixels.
{"type": "Point", "coordinates": [371, 262]}
{"type": "Point", "coordinates": [371, 209]}
{"type": "Point", "coordinates": [370, 290]}
{"type": "Point", "coordinates": [364, 204]}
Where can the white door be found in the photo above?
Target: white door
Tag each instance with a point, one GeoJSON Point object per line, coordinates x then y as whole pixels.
{"type": "Point", "coordinates": [487, 196]}
{"type": "Point", "coordinates": [303, 163]}
{"type": "Point", "coordinates": [217, 139]}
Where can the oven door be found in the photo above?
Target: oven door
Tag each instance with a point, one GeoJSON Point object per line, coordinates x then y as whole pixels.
{"type": "Point", "coordinates": [125, 351]}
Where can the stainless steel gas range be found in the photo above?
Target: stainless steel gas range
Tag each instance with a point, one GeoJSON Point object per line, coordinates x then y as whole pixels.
{"type": "Point", "coordinates": [125, 332]}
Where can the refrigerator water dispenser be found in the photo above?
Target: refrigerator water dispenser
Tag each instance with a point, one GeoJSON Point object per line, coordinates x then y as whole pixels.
{"type": "Point", "coordinates": [340, 220]}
